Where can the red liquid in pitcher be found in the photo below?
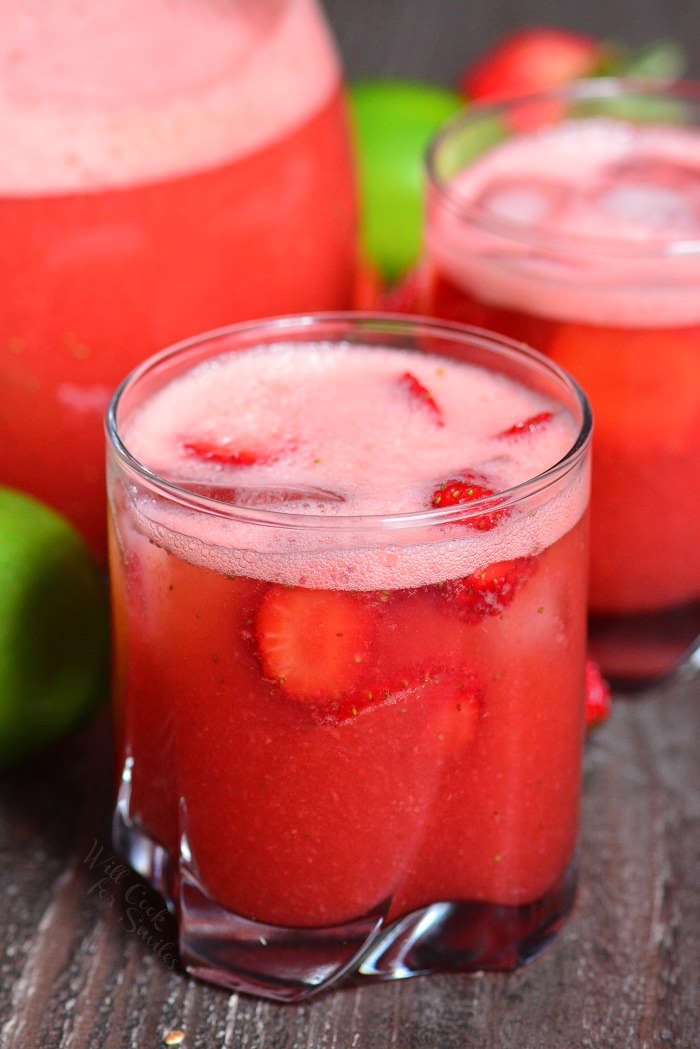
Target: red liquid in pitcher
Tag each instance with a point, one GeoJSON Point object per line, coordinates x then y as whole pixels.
{"type": "Point", "coordinates": [147, 196]}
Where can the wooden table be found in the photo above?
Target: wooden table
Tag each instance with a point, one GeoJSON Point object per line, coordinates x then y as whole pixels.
{"type": "Point", "coordinates": [78, 970]}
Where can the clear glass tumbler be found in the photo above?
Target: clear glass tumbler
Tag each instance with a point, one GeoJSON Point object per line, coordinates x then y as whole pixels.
{"type": "Point", "coordinates": [571, 221]}
{"type": "Point", "coordinates": [349, 740]}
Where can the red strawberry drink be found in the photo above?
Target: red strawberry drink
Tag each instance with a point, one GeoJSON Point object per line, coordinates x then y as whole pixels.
{"type": "Point", "coordinates": [167, 167]}
{"type": "Point", "coordinates": [582, 237]}
{"type": "Point", "coordinates": [349, 587]}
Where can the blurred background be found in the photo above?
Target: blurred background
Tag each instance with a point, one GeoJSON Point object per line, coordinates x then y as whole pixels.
{"type": "Point", "coordinates": [436, 39]}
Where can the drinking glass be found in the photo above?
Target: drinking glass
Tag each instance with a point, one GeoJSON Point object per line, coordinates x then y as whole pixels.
{"type": "Point", "coordinates": [571, 221]}
{"type": "Point", "coordinates": [419, 815]}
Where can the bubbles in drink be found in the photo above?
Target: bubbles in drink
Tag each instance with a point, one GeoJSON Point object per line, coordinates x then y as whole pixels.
{"type": "Point", "coordinates": [366, 441]}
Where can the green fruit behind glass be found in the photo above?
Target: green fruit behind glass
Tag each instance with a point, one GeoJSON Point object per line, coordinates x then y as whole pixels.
{"type": "Point", "coordinates": [53, 628]}
{"type": "Point", "coordinates": [393, 123]}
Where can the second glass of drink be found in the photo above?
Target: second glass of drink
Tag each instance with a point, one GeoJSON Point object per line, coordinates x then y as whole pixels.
{"type": "Point", "coordinates": [572, 222]}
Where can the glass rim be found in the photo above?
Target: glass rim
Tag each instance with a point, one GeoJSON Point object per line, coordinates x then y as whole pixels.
{"type": "Point", "coordinates": [590, 89]}
{"type": "Point", "coordinates": [392, 324]}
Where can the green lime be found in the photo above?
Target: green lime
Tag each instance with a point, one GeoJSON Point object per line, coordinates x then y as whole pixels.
{"type": "Point", "coordinates": [393, 121]}
{"type": "Point", "coordinates": [53, 627]}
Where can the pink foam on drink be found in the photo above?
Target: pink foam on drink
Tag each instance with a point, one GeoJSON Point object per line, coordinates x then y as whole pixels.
{"type": "Point", "coordinates": [575, 222]}
{"type": "Point", "coordinates": [98, 94]}
{"type": "Point", "coordinates": [347, 441]}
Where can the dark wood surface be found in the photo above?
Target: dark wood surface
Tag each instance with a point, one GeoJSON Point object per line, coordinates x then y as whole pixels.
{"type": "Point", "coordinates": [78, 970]}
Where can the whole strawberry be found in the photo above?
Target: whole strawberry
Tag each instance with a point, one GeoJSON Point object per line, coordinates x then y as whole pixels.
{"type": "Point", "coordinates": [529, 61]}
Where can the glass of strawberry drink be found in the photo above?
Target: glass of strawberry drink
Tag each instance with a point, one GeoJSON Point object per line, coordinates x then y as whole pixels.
{"type": "Point", "coordinates": [348, 560]}
{"type": "Point", "coordinates": [150, 191]}
{"type": "Point", "coordinates": [572, 222]}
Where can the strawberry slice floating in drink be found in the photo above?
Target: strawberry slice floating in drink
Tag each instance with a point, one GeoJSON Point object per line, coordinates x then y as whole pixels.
{"type": "Point", "coordinates": [421, 395]}
{"type": "Point", "coordinates": [312, 643]}
{"type": "Point", "coordinates": [210, 451]}
{"type": "Point", "coordinates": [526, 426]}
{"type": "Point", "coordinates": [340, 653]}
{"type": "Point", "coordinates": [488, 592]}
{"type": "Point", "coordinates": [465, 488]}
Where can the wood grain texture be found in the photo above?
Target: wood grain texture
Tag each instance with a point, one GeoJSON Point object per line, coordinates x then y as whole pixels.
{"type": "Point", "coordinates": [80, 972]}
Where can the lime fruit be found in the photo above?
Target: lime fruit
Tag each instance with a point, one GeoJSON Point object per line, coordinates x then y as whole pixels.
{"type": "Point", "coordinates": [53, 627]}
{"type": "Point", "coordinates": [393, 122]}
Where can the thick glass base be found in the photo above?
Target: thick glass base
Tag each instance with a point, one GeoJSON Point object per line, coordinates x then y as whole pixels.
{"type": "Point", "coordinates": [637, 650]}
{"type": "Point", "coordinates": [291, 964]}
{"type": "Point", "coordinates": [147, 856]}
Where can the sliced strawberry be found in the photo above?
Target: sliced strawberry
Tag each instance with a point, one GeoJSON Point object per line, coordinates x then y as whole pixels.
{"type": "Point", "coordinates": [452, 700]}
{"type": "Point", "coordinates": [421, 396]}
{"type": "Point", "coordinates": [529, 61]}
{"type": "Point", "coordinates": [458, 707]}
{"type": "Point", "coordinates": [350, 705]}
{"type": "Point", "coordinates": [459, 490]}
{"type": "Point", "coordinates": [464, 489]}
{"type": "Point", "coordinates": [413, 645]}
{"type": "Point", "coordinates": [313, 643]}
{"type": "Point", "coordinates": [530, 425]}
{"type": "Point", "coordinates": [598, 699]}
{"type": "Point", "coordinates": [488, 592]}
{"type": "Point", "coordinates": [228, 455]}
